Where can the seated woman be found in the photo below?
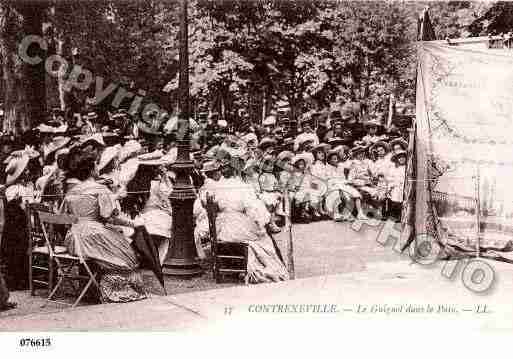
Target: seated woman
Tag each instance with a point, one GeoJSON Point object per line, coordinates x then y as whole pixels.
{"type": "Point", "coordinates": [319, 178]}
{"type": "Point", "coordinates": [250, 175]}
{"type": "Point", "coordinates": [360, 177]}
{"type": "Point", "coordinates": [211, 170]}
{"type": "Point", "coordinates": [298, 183]}
{"type": "Point", "coordinates": [340, 196]}
{"type": "Point", "coordinates": [238, 221]}
{"type": "Point", "coordinates": [380, 168]}
{"type": "Point", "coordinates": [157, 212]}
{"type": "Point", "coordinates": [94, 239]}
{"type": "Point", "coordinates": [269, 191]}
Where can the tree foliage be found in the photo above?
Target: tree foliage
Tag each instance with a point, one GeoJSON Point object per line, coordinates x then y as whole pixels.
{"type": "Point", "coordinates": [243, 54]}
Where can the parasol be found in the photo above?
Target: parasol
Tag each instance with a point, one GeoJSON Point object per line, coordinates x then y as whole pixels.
{"type": "Point", "coordinates": [144, 245]}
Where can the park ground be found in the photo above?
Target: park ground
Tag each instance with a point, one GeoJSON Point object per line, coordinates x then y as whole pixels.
{"type": "Point", "coordinates": [334, 265]}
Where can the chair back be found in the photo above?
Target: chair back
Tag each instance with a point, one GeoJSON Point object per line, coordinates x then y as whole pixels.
{"type": "Point", "coordinates": [48, 221]}
{"type": "Point", "coordinates": [35, 230]}
{"type": "Point", "coordinates": [211, 208]}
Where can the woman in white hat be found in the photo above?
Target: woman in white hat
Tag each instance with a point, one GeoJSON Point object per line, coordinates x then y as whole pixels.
{"type": "Point", "coordinates": [380, 168]}
{"type": "Point", "coordinates": [15, 240]}
{"type": "Point", "coordinates": [398, 145]}
{"type": "Point", "coordinates": [269, 191]}
{"type": "Point", "coordinates": [212, 172]}
{"type": "Point", "coordinates": [156, 212]}
{"type": "Point", "coordinates": [238, 220]}
{"type": "Point", "coordinates": [108, 167]}
{"type": "Point", "coordinates": [319, 179]}
{"type": "Point", "coordinates": [93, 236]}
{"type": "Point", "coordinates": [299, 187]}
{"type": "Point", "coordinates": [340, 194]}
{"type": "Point", "coordinates": [373, 127]}
{"type": "Point", "coordinates": [360, 177]}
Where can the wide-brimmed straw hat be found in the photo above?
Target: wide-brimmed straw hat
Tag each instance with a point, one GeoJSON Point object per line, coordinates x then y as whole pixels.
{"type": "Point", "coordinates": [52, 130]}
{"type": "Point", "coordinates": [211, 166]}
{"type": "Point", "coordinates": [336, 141]}
{"type": "Point", "coordinates": [147, 129]}
{"type": "Point", "coordinates": [266, 142]}
{"type": "Point", "coordinates": [283, 155]}
{"type": "Point", "coordinates": [95, 138]}
{"type": "Point", "coordinates": [42, 182]}
{"type": "Point", "coordinates": [341, 150]}
{"type": "Point", "coordinates": [373, 123]}
{"type": "Point", "coordinates": [109, 154]}
{"type": "Point", "coordinates": [27, 151]}
{"type": "Point", "coordinates": [56, 144]}
{"type": "Point", "coordinates": [269, 121]}
{"type": "Point", "coordinates": [151, 155]}
{"type": "Point", "coordinates": [15, 168]}
{"type": "Point", "coordinates": [400, 142]}
{"type": "Point", "coordinates": [250, 137]}
{"type": "Point", "coordinates": [324, 147]}
{"type": "Point", "coordinates": [378, 144]}
{"type": "Point", "coordinates": [396, 155]}
{"type": "Point", "coordinates": [172, 124]}
{"type": "Point", "coordinates": [307, 157]}
{"type": "Point", "coordinates": [130, 149]}
{"type": "Point", "coordinates": [333, 152]}
{"type": "Point", "coordinates": [128, 170]}
{"type": "Point", "coordinates": [91, 115]}
{"type": "Point", "coordinates": [358, 149]}
{"type": "Point", "coordinates": [153, 162]}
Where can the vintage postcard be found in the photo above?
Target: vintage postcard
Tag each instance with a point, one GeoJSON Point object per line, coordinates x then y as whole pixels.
{"type": "Point", "coordinates": [195, 166]}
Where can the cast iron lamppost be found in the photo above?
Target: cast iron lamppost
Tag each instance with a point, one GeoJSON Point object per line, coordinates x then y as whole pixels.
{"type": "Point", "coordinates": [182, 258]}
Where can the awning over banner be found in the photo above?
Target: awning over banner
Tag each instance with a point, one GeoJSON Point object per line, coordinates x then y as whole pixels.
{"type": "Point", "coordinates": [464, 142]}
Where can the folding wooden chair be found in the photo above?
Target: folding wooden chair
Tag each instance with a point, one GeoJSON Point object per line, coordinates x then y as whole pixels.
{"type": "Point", "coordinates": [41, 269]}
{"type": "Point", "coordinates": [64, 261]}
{"type": "Point", "coordinates": [228, 258]}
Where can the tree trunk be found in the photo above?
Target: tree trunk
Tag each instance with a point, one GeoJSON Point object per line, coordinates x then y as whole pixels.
{"type": "Point", "coordinates": [24, 84]}
{"type": "Point", "coordinates": [60, 80]}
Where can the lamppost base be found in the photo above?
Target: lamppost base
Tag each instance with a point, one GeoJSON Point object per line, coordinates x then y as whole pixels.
{"type": "Point", "coordinates": [181, 268]}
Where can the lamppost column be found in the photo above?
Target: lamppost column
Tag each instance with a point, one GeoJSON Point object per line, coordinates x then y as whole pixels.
{"type": "Point", "coordinates": [182, 258]}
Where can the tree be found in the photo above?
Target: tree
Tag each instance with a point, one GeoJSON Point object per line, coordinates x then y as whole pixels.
{"type": "Point", "coordinates": [24, 84]}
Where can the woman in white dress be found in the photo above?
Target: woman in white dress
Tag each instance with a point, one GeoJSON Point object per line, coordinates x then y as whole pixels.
{"type": "Point", "coordinates": [238, 221]}
{"type": "Point", "coordinates": [157, 213]}
{"type": "Point", "coordinates": [341, 196]}
{"type": "Point", "coordinates": [319, 171]}
{"type": "Point", "coordinates": [298, 182]}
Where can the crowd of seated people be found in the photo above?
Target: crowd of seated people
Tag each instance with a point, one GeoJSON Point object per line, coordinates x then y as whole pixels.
{"type": "Point", "coordinates": [114, 179]}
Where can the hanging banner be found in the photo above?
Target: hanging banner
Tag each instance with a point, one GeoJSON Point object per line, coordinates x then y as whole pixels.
{"type": "Point", "coordinates": [464, 145]}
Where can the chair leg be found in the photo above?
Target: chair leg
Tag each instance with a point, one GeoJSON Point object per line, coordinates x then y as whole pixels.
{"type": "Point", "coordinates": [84, 291]}
{"type": "Point", "coordinates": [92, 275]}
{"type": "Point", "coordinates": [31, 283]}
{"type": "Point", "coordinates": [51, 270]}
{"type": "Point", "coordinates": [53, 291]}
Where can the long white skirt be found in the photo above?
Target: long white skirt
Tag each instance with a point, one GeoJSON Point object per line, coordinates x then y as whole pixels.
{"type": "Point", "coordinates": [159, 223]}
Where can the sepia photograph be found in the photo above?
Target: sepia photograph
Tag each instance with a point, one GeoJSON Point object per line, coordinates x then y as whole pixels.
{"type": "Point", "coordinates": [192, 165]}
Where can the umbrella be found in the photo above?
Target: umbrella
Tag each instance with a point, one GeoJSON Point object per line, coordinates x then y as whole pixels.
{"type": "Point", "coordinates": [144, 245]}
{"type": "Point", "coordinates": [275, 245]}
